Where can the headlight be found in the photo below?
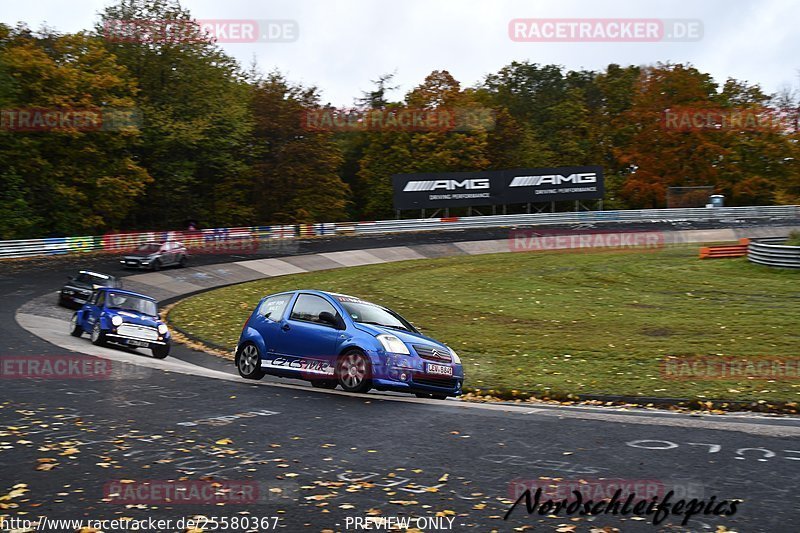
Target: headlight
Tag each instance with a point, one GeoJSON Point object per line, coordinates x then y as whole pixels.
{"type": "Point", "coordinates": [162, 329]}
{"type": "Point", "coordinates": [454, 355]}
{"type": "Point", "coordinates": [116, 320]}
{"type": "Point", "coordinates": [392, 344]}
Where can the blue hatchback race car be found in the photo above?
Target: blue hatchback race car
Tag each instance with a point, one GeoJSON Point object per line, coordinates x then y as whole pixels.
{"type": "Point", "coordinates": [122, 317]}
{"type": "Point", "coordinates": [332, 339]}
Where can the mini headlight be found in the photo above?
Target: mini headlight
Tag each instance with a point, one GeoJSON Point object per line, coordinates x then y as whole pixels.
{"type": "Point", "coordinates": [392, 344]}
{"type": "Point", "coordinates": [454, 355]}
{"type": "Point", "coordinates": [162, 329]}
{"type": "Point", "coordinates": [116, 320]}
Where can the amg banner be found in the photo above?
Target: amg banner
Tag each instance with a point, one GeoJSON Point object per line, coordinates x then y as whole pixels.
{"type": "Point", "coordinates": [461, 189]}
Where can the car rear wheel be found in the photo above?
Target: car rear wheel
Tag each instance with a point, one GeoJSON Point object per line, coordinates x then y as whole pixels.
{"type": "Point", "coordinates": [160, 352]}
{"type": "Point", "coordinates": [98, 337]}
{"type": "Point", "coordinates": [353, 371]}
{"type": "Point", "coordinates": [75, 329]}
{"type": "Point", "coordinates": [248, 362]}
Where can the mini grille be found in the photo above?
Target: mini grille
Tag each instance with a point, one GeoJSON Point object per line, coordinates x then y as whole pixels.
{"type": "Point", "coordinates": [138, 332]}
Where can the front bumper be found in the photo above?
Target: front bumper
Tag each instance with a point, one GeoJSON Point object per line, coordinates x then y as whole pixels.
{"type": "Point", "coordinates": [449, 387]}
{"type": "Point", "coordinates": [74, 297]}
{"type": "Point", "coordinates": [135, 263]}
{"type": "Point", "coordinates": [135, 342]}
{"type": "Point", "coordinates": [413, 376]}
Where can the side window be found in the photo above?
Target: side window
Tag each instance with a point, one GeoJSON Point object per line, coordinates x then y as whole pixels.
{"type": "Point", "coordinates": [308, 307]}
{"type": "Point", "coordinates": [274, 306]}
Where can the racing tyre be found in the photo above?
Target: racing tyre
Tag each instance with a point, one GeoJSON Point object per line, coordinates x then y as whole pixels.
{"type": "Point", "coordinates": [160, 352]}
{"type": "Point", "coordinates": [98, 337]}
{"type": "Point", "coordinates": [74, 328]}
{"type": "Point", "coordinates": [182, 262]}
{"type": "Point", "coordinates": [353, 371]}
{"type": "Point", "coordinates": [248, 362]}
{"type": "Point", "coordinates": [155, 265]}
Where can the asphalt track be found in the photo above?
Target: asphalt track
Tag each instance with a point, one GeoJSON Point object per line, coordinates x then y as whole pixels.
{"type": "Point", "coordinates": [323, 459]}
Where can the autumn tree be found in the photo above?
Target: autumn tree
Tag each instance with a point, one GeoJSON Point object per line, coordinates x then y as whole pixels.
{"type": "Point", "coordinates": [296, 170]}
{"type": "Point", "coordinates": [66, 179]}
{"type": "Point", "coordinates": [428, 150]}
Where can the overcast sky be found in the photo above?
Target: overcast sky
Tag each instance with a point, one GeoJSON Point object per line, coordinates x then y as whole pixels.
{"type": "Point", "coordinates": [343, 44]}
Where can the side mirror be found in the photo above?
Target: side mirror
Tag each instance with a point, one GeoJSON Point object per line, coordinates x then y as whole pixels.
{"type": "Point", "coordinates": [329, 318]}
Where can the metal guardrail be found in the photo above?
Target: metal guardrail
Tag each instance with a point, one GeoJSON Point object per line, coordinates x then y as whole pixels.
{"type": "Point", "coordinates": [650, 215]}
{"type": "Point", "coordinates": [770, 252]}
{"type": "Point", "coordinates": [254, 236]}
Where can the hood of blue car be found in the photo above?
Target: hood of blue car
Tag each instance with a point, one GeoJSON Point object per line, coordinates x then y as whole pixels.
{"type": "Point", "coordinates": [132, 317]}
{"type": "Point", "coordinates": [406, 336]}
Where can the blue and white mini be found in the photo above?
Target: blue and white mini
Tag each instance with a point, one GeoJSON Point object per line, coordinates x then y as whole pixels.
{"type": "Point", "coordinates": [122, 317]}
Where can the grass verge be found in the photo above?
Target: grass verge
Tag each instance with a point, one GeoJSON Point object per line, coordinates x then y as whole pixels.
{"type": "Point", "coordinates": [560, 323]}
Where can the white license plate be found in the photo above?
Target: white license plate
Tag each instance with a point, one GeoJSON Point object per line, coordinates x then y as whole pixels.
{"type": "Point", "coordinates": [143, 344]}
{"type": "Point", "coordinates": [440, 370]}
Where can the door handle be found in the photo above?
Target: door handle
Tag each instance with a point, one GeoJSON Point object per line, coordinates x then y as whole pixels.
{"type": "Point", "coordinates": [285, 327]}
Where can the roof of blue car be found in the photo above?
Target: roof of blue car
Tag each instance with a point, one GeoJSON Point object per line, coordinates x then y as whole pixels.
{"type": "Point", "coordinates": [130, 293]}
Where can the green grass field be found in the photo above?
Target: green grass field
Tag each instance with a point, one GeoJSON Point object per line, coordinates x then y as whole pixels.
{"type": "Point", "coordinates": [561, 322]}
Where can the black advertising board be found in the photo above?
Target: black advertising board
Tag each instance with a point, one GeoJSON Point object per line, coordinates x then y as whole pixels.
{"type": "Point", "coordinates": [447, 189]}
{"type": "Point", "coordinates": [461, 189]}
{"type": "Point", "coordinates": [557, 184]}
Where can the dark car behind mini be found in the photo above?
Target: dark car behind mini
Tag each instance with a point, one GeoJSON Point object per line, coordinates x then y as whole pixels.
{"type": "Point", "coordinates": [79, 288]}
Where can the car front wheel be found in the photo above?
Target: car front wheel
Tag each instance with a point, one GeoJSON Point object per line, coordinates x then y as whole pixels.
{"type": "Point", "coordinates": [248, 362]}
{"type": "Point", "coordinates": [75, 329]}
{"type": "Point", "coordinates": [353, 372]}
{"type": "Point", "coordinates": [160, 352]}
{"type": "Point", "coordinates": [98, 337]}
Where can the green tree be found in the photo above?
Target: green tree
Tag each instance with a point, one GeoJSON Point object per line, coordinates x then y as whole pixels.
{"type": "Point", "coordinates": [197, 122]}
